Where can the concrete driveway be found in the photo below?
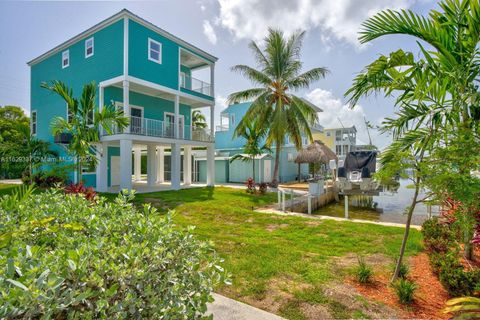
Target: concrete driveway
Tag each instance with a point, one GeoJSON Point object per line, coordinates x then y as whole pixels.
{"type": "Point", "coordinates": [224, 308]}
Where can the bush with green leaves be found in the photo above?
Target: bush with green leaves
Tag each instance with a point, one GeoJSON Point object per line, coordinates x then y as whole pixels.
{"type": "Point", "coordinates": [62, 256]}
{"type": "Point", "coordinates": [363, 272]}
{"type": "Point", "coordinates": [405, 290]}
{"type": "Point", "coordinates": [438, 237]}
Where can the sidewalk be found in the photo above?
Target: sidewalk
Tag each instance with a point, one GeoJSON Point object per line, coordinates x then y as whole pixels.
{"type": "Point", "coordinates": [224, 308]}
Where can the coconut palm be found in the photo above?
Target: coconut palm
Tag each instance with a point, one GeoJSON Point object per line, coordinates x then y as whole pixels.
{"type": "Point", "coordinates": [84, 122]}
{"type": "Point", "coordinates": [198, 120]}
{"type": "Point", "coordinates": [254, 135]}
{"type": "Point", "coordinates": [273, 103]}
{"type": "Point", "coordinates": [438, 93]}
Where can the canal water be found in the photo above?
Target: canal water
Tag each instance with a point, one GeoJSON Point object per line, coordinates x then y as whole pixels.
{"type": "Point", "coordinates": [388, 206]}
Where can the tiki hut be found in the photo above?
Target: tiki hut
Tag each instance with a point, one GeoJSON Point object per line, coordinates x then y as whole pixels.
{"type": "Point", "coordinates": [315, 153]}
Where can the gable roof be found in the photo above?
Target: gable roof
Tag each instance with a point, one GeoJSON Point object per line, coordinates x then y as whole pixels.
{"type": "Point", "coordinates": [116, 17]}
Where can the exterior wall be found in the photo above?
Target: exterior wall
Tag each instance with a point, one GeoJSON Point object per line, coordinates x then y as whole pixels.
{"type": "Point", "coordinates": [112, 151]}
{"type": "Point", "coordinates": [328, 140]}
{"type": "Point", "coordinates": [221, 171]}
{"type": "Point", "coordinates": [224, 139]}
{"type": "Point", "coordinates": [106, 62]}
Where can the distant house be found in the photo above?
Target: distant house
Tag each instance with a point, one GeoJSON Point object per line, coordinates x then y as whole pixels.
{"type": "Point", "coordinates": [340, 140]}
{"type": "Point", "coordinates": [226, 146]}
{"type": "Point", "coordinates": [150, 74]}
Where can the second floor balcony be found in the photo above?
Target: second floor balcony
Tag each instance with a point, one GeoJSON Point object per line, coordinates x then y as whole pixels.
{"type": "Point", "coordinates": [163, 129]}
{"type": "Point", "coordinates": [195, 85]}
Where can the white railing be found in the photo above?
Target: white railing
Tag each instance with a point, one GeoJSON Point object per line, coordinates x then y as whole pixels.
{"type": "Point", "coordinates": [194, 84]}
{"type": "Point", "coordinates": [162, 129]}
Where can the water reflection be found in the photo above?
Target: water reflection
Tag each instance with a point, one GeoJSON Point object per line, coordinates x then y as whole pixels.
{"type": "Point", "coordinates": [389, 205]}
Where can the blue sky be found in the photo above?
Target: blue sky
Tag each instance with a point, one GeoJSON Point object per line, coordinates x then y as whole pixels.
{"type": "Point", "coordinates": [223, 28]}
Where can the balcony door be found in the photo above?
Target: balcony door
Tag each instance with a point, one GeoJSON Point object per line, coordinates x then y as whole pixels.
{"type": "Point", "coordinates": [136, 122]}
{"type": "Point", "coordinates": [170, 125]}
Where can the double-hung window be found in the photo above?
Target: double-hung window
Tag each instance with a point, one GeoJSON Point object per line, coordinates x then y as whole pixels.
{"type": "Point", "coordinates": [89, 47]}
{"type": "Point", "coordinates": [33, 122]}
{"type": "Point", "coordinates": [154, 51]}
{"type": "Point", "coordinates": [65, 58]}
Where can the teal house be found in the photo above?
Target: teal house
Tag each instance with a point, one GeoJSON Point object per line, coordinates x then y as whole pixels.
{"type": "Point", "coordinates": [238, 171]}
{"type": "Point", "coordinates": [154, 77]}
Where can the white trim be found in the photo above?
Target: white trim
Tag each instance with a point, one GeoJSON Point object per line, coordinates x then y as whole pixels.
{"type": "Point", "coordinates": [92, 39]}
{"type": "Point", "coordinates": [183, 77]}
{"type": "Point", "coordinates": [125, 46]}
{"type": "Point", "coordinates": [181, 133]}
{"type": "Point", "coordinates": [112, 81]}
{"type": "Point", "coordinates": [31, 122]}
{"type": "Point", "coordinates": [207, 62]}
{"type": "Point", "coordinates": [111, 20]}
{"type": "Point", "coordinates": [157, 140]}
{"type": "Point", "coordinates": [150, 49]}
{"type": "Point", "coordinates": [66, 56]}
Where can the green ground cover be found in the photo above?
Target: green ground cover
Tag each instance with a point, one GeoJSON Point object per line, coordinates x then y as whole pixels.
{"type": "Point", "coordinates": [279, 263]}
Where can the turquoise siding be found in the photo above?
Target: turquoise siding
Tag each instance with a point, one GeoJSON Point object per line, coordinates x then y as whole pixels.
{"type": "Point", "coordinates": [153, 107]}
{"type": "Point", "coordinates": [221, 171]}
{"type": "Point", "coordinates": [90, 179]}
{"type": "Point", "coordinates": [240, 170]}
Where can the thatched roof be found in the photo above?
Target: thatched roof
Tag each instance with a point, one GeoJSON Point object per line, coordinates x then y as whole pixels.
{"type": "Point", "coordinates": [316, 152]}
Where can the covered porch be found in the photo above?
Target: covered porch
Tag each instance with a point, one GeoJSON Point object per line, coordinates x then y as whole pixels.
{"type": "Point", "coordinates": [168, 166]}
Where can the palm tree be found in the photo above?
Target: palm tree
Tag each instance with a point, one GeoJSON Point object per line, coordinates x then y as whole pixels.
{"type": "Point", "coordinates": [438, 92]}
{"type": "Point", "coordinates": [274, 105]}
{"type": "Point", "coordinates": [254, 133]}
{"type": "Point", "coordinates": [198, 120]}
{"type": "Point", "coordinates": [35, 148]}
{"type": "Point", "coordinates": [84, 122]}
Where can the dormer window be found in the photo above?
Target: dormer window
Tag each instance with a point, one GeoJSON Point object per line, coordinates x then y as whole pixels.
{"type": "Point", "coordinates": [154, 51]}
{"type": "Point", "coordinates": [88, 47]}
{"type": "Point", "coordinates": [65, 58]}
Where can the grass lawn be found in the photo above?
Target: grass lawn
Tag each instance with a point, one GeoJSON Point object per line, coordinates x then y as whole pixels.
{"type": "Point", "coordinates": [282, 264]}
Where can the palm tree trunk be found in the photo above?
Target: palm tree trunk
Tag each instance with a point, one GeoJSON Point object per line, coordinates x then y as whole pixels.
{"type": "Point", "coordinates": [407, 229]}
{"type": "Point", "coordinates": [277, 164]}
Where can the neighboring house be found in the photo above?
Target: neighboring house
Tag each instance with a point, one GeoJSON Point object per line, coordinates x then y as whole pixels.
{"type": "Point", "coordinates": [340, 140]}
{"type": "Point", "coordinates": [150, 74]}
{"type": "Point", "coordinates": [226, 146]}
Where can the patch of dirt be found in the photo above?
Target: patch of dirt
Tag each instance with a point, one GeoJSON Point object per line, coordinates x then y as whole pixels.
{"type": "Point", "coordinates": [430, 296]}
{"type": "Point", "coordinates": [377, 260]}
{"type": "Point", "coordinates": [313, 223]}
{"type": "Point", "coordinates": [315, 311]}
{"type": "Point", "coordinates": [273, 227]}
{"type": "Point", "coordinates": [348, 296]}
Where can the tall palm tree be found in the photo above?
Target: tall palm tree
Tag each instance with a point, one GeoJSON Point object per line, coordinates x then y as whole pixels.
{"type": "Point", "coordinates": [274, 105]}
{"type": "Point", "coordinates": [198, 120]}
{"type": "Point", "coordinates": [84, 122]}
{"type": "Point", "coordinates": [440, 90]}
{"type": "Point", "coordinates": [254, 134]}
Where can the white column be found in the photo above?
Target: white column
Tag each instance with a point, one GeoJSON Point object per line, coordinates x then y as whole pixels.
{"type": "Point", "coordinates": [151, 165]}
{"type": "Point", "coordinates": [211, 165]}
{"type": "Point", "coordinates": [212, 80]}
{"type": "Point", "coordinates": [102, 167]}
{"type": "Point", "coordinates": [126, 164]}
{"type": "Point", "coordinates": [137, 164]}
{"type": "Point", "coordinates": [187, 165]}
{"type": "Point", "coordinates": [175, 166]}
{"type": "Point", "coordinates": [126, 101]}
{"type": "Point", "coordinates": [177, 117]}
{"type": "Point", "coordinates": [160, 164]}
{"type": "Point", "coordinates": [212, 122]}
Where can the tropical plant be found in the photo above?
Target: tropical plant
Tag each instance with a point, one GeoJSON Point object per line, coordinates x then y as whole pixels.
{"type": "Point", "coordinates": [273, 103]}
{"type": "Point", "coordinates": [402, 271]}
{"type": "Point", "coordinates": [253, 133]}
{"type": "Point", "coordinates": [465, 308]}
{"type": "Point", "coordinates": [363, 271]}
{"type": "Point", "coordinates": [436, 95]}
{"type": "Point", "coordinates": [405, 290]}
{"type": "Point", "coordinates": [198, 119]}
{"type": "Point", "coordinates": [67, 257]}
{"type": "Point", "coordinates": [84, 122]}
{"type": "Point", "coordinates": [79, 188]}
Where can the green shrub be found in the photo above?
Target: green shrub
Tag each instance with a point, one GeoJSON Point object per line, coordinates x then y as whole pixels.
{"type": "Point", "coordinates": [405, 290]}
{"type": "Point", "coordinates": [63, 256]}
{"type": "Point", "coordinates": [363, 272]}
{"type": "Point", "coordinates": [437, 236]}
{"type": "Point", "coordinates": [403, 271]}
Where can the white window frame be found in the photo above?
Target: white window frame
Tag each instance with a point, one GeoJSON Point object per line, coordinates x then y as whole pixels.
{"type": "Point", "coordinates": [65, 56]}
{"type": "Point", "coordinates": [87, 47]}
{"type": "Point", "coordinates": [150, 41]}
{"type": "Point", "coordinates": [183, 79]}
{"type": "Point", "coordinates": [31, 122]}
{"type": "Point", "coordinates": [181, 132]}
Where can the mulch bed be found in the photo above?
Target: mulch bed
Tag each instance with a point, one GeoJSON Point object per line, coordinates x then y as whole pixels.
{"type": "Point", "coordinates": [430, 296]}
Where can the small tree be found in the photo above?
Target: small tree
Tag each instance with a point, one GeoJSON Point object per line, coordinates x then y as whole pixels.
{"type": "Point", "coordinates": [84, 122]}
{"type": "Point", "coordinates": [198, 119]}
{"type": "Point", "coordinates": [254, 134]}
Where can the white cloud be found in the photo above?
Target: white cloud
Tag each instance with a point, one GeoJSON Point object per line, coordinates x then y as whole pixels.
{"type": "Point", "coordinates": [334, 111]}
{"type": "Point", "coordinates": [209, 32]}
{"type": "Point", "coordinates": [250, 19]}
